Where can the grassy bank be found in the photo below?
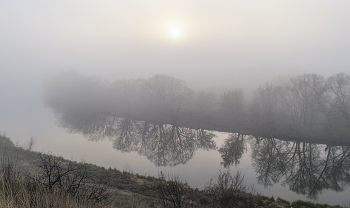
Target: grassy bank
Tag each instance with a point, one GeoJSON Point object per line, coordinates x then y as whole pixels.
{"type": "Point", "coordinates": [24, 183]}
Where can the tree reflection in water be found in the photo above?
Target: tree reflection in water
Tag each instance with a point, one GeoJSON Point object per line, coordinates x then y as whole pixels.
{"type": "Point", "coordinates": [232, 150]}
{"type": "Point", "coordinates": [162, 144]}
{"type": "Point", "coordinates": [306, 168]}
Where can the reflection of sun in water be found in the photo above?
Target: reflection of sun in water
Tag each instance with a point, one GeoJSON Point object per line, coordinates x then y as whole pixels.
{"type": "Point", "coordinates": [175, 31]}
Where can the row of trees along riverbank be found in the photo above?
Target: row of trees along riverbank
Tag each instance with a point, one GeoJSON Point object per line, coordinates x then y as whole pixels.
{"type": "Point", "coordinates": [308, 107]}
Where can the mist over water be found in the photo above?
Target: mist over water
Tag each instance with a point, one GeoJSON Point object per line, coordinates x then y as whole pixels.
{"type": "Point", "coordinates": [296, 145]}
{"type": "Point", "coordinates": [114, 46]}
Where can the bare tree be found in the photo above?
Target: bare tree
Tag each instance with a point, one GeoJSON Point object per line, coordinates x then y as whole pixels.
{"type": "Point", "coordinates": [204, 103]}
{"type": "Point", "coordinates": [232, 105]}
{"type": "Point", "coordinates": [265, 112]}
{"type": "Point", "coordinates": [125, 97]}
{"type": "Point", "coordinates": [300, 99]}
{"type": "Point", "coordinates": [339, 86]}
{"type": "Point", "coordinates": [167, 94]}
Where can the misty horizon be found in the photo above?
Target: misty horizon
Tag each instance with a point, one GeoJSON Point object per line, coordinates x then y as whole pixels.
{"type": "Point", "coordinates": [213, 50]}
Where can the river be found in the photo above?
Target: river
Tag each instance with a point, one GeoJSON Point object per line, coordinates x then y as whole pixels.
{"type": "Point", "coordinates": [289, 170]}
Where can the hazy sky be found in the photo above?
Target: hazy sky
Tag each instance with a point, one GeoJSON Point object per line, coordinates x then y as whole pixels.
{"type": "Point", "coordinates": [120, 39]}
{"type": "Point", "coordinates": [214, 44]}
{"type": "Point", "coordinates": [210, 44]}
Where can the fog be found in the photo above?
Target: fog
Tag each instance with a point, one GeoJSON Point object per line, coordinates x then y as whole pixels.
{"type": "Point", "coordinates": [216, 46]}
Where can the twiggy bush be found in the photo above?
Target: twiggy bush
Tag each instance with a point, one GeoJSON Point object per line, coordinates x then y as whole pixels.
{"type": "Point", "coordinates": [71, 178]}
{"type": "Point", "coordinates": [227, 182]}
{"type": "Point", "coordinates": [18, 190]}
{"type": "Point", "coordinates": [173, 192]}
{"type": "Point", "coordinates": [231, 191]}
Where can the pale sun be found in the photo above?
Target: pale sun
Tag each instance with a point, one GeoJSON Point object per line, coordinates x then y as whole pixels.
{"type": "Point", "coordinates": [175, 32]}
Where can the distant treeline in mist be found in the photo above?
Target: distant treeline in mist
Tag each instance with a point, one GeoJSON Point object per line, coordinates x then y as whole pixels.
{"type": "Point", "coordinates": [307, 106]}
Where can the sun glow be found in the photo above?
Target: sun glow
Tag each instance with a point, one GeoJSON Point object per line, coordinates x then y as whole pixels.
{"type": "Point", "coordinates": [175, 31]}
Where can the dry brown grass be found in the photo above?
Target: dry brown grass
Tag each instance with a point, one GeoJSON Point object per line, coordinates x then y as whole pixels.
{"type": "Point", "coordinates": [132, 200]}
{"type": "Point", "coordinates": [17, 191]}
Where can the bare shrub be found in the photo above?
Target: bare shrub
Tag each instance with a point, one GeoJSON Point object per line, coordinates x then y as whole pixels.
{"type": "Point", "coordinates": [17, 191]}
{"type": "Point", "coordinates": [230, 190]}
{"type": "Point", "coordinates": [173, 192]}
{"type": "Point", "coordinates": [71, 178]}
{"type": "Point", "coordinates": [226, 181]}
{"type": "Point", "coordinates": [128, 169]}
{"type": "Point", "coordinates": [31, 143]}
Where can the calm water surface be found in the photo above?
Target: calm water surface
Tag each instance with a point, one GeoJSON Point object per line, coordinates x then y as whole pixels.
{"type": "Point", "coordinates": [278, 168]}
